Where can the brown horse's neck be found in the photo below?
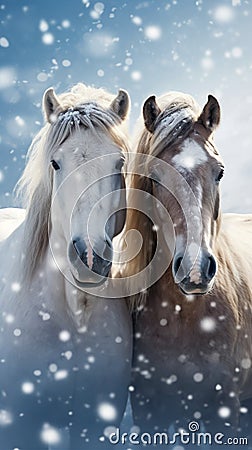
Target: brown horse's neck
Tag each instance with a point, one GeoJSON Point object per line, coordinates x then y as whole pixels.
{"type": "Point", "coordinates": [184, 324]}
{"type": "Point", "coordinates": [166, 301]}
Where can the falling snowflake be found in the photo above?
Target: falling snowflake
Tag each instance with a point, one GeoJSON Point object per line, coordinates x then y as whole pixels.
{"type": "Point", "coordinates": [44, 315]}
{"type": "Point", "coordinates": [64, 336]}
{"type": "Point", "coordinates": [17, 332]}
{"type": "Point", "coordinates": [16, 287]}
{"type": "Point", "coordinates": [100, 73]}
{"type": "Point", "coordinates": [208, 324]}
{"type": "Point", "coordinates": [5, 417]}
{"type": "Point", "coordinates": [43, 26]}
{"type": "Point", "coordinates": [91, 359]}
{"type": "Point", "coordinates": [48, 38]}
{"type": "Point", "coordinates": [136, 20]}
{"type": "Point", "coordinates": [66, 23]}
{"type": "Point", "coordinates": [223, 14]}
{"type": "Point", "coordinates": [198, 377]}
{"type": "Point", "coordinates": [53, 368]}
{"type": "Point", "coordinates": [136, 75]}
{"type": "Point", "coordinates": [66, 63]}
{"type": "Point", "coordinates": [163, 322]}
{"type": "Point", "coordinates": [246, 363]}
{"type": "Point", "coordinates": [27, 387]}
{"type": "Point", "coordinates": [236, 52]}
{"type": "Point", "coordinates": [21, 123]}
{"type": "Point", "coordinates": [153, 32]}
{"type": "Point", "coordinates": [172, 379]}
{"type": "Point", "coordinates": [243, 410]}
{"type": "Point", "coordinates": [61, 375]}
{"type": "Point", "coordinates": [97, 11]}
{"type": "Point", "coordinates": [50, 435]}
{"type": "Point", "coordinates": [42, 77]}
{"type": "Point", "coordinates": [4, 42]}
{"type": "Point", "coordinates": [68, 355]}
{"type": "Point", "coordinates": [207, 63]}
{"type": "Point", "coordinates": [224, 412]}
{"type": "Point", "coordinates": [107, 411]}
{"type": "Point", "coordinates": [9, 318]}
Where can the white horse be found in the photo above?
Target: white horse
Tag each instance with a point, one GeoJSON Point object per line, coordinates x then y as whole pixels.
{"type": "Point", "coordinates": [65, 354]}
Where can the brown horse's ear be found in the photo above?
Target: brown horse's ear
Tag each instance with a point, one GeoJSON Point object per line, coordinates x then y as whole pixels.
{"type": "Point", "coordinates": [51, 105]}
{"type": "Point", "coordinates": [121, 104]}
{"type": "Point", "coordinates": [150, 113]}
{"type": "Point", "coordinates": [210, 116]}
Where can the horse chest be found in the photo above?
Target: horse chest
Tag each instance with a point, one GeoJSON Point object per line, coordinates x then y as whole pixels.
{"type": "Point", "coordinates": [166, 329]}
{"type": "Point", "coordinates": [168, 341]}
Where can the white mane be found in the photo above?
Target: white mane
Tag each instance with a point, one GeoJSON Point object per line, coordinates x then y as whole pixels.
{"type": "Point", "coordinates": [83, 106]}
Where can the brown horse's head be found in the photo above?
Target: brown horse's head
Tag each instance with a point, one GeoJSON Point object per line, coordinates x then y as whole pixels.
{"type": "Point", "coordinates": [185, 178]}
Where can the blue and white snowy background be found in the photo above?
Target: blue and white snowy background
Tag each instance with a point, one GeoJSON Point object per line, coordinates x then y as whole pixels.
{"type": "Point", "coordinates": [147, 47]}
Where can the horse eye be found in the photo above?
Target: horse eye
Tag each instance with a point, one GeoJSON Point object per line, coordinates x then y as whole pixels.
{"type": "Point", "coordinates": [219, 177]}
{"type": "Point", "coordinates": [119, 164]}
{"type": "Point", "coordinates": [155, 178]}
{"type": "Point", "coordinates": [55, 165]}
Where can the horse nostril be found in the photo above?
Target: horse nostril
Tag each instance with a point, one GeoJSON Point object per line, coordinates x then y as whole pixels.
{"type": "Point", "coordinates": [108, 242]}
{"type": "Point", "coordinates": [211, 270]}
{"type": "Point", "coordinates": [108, 251]}
{"type": "Point", "coordinates": [81, 249]}
{"type": "Point", "coordinates": [177, 264]}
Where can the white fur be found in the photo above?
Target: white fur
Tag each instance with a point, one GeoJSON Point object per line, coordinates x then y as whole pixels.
{"type": "Point", "coordinates": [191, 156]}
{"type": "Point", "coordinates": [194, 253]}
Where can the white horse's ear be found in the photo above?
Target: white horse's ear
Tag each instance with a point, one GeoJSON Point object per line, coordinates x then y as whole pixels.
{"type": "Point", "coordinates": [150, 113]}
{"type": "Point", "coordinates": [121, 104]}
{"type": "Point", "coordinates": [51, 105]}
{"type": "Point", "coordinates": [210, 116]}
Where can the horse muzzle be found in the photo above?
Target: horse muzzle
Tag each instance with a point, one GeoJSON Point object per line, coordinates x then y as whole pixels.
{"type": "Point", "coordinates": [86, 264]}
{"type": "Point", "coordinates": [189, 288]}
{"type": "Point", "coordinates": [197, 278]}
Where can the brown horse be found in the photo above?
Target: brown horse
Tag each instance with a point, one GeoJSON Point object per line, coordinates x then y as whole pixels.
{"type": "Point", "coordinates": [193, 325]}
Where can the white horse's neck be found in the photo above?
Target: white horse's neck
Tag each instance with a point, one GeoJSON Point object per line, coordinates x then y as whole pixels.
{"type": "Point", "coordinates": [64, 296]}
{"type": "Point", "coordinates": [49, 292]}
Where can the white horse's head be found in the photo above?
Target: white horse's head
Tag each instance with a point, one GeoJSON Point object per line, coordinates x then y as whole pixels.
{"type": "Point", "coordinates": [85, 151]}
